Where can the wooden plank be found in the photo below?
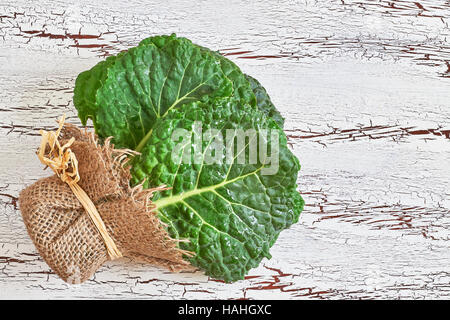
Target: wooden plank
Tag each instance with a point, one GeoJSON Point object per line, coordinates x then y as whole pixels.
{"type": "Point", "coordinates": [364, 89]}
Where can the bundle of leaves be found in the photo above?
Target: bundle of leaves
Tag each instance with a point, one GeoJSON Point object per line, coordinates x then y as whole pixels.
{"type": "Point", "coordinates": [227, 213]}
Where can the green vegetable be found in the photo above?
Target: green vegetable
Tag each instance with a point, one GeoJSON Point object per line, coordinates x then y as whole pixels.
{"type": "Point", "coordinates": [231, 212]}
{"type": "Point", "coordinates": [263, 101]}
{"type": "Point", "coordinates": [125, 94]}
{"type": "Point", "coordinates": [146, 82]}
{"type": "Point", "coordinates": [246, 89]}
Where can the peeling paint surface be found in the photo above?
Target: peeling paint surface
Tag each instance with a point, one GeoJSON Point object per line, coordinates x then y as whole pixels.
{"type": "Point", "coordinates": [364, 87]}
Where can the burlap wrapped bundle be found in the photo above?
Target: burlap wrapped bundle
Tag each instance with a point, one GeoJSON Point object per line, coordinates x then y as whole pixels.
{"type": "Point", "coordinates": [66, 236]}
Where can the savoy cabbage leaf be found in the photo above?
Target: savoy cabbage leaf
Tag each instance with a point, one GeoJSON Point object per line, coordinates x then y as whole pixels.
{"type": "Point", "coordinates": [263, 101]}
{"type": "Point", "coordinates": [231, 213]}
{"type": "Point", "coordinates": [147, 81]}
{"type": "Point", "coordinates": [86, 86]}
{"type": "Point", "coordinates": [125, 94]}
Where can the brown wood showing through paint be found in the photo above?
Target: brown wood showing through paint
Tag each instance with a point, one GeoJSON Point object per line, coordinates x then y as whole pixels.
{"type": "Point", "coordinates": [364, 87]}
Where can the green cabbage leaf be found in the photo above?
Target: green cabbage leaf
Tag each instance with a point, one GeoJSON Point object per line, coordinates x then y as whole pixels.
{"type": "Point", "coordinates": [233, 212]}
{"type": "Point", "coordinates": [230, 212]}
{"type": "Point", "coordinates": [125, 94]}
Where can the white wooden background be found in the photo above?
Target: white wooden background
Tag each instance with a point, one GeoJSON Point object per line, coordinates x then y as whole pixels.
{"type": "Point", "coordinates": [364, 86]}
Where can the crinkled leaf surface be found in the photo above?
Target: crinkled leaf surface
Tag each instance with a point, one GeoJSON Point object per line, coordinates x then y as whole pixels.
{"type": "Point", "coordinates": [242, 89]}
{"type": "Point", "coordinates": [124, 94]}
{"type": "Point", "coordinates": [148, 81]}
{"type": "Point", "coordinates": [86, 86]}
{"type": "Point", "coordinates": [141, 85]}
{"type": "Point", "coordinates": [231, 213]}
{"type": "Point", "coordinates": [263, 101]}
{"type": "Point", "coordinates": [249, 90]}
{"type": "Point", "coordinates": [245, 88]}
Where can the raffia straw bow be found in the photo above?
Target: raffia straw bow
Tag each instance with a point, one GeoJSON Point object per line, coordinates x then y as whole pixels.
{"type": "Point", "coordinates": [65, 165]}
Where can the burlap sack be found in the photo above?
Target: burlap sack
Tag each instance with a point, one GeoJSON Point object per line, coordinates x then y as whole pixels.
{"type": "Point", "coordinates": [64, 234]}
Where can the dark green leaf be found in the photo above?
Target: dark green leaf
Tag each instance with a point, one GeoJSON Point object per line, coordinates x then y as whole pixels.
{"type": "Point", "coordinates": [231, 213]}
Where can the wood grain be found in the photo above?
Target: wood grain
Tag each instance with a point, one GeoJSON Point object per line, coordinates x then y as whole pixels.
{"type": "Point", "coordinates": [364, 87]}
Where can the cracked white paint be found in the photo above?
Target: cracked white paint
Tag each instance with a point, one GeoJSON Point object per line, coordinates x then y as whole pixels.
{"type": "Point", "coordinates": [364, 87]}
